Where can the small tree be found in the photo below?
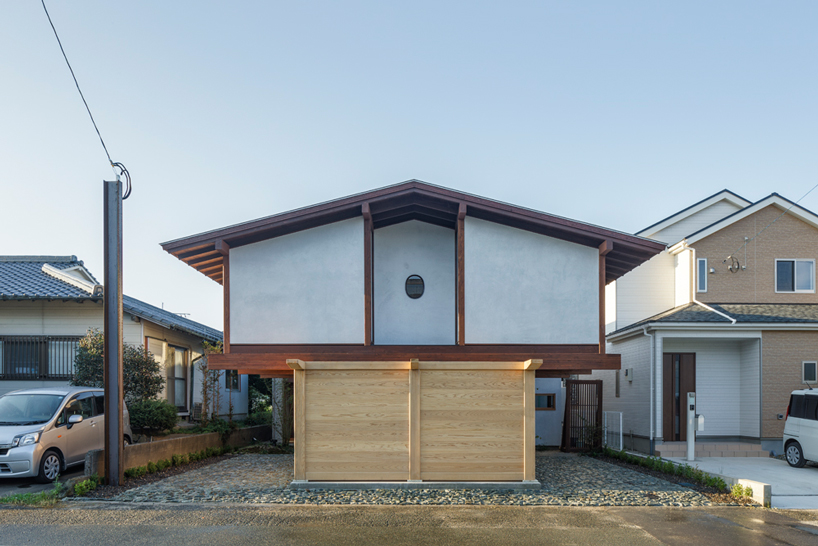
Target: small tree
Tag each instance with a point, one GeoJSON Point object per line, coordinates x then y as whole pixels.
{"type": "Point", "coordinates": [282, 403]}
{"type": "Point", "coordinates": [141, 374]}
{"type": "Point", "coordinates": [211, 393]}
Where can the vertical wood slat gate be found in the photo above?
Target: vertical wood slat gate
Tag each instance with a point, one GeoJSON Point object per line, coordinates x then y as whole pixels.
{"type": "Point", "coordinates": [582, 424]}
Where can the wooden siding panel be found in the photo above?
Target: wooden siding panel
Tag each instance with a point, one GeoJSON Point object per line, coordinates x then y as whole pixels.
{"type": "Point", "coordinates": [371, 407]}
{"type": "Point", "coordinates": [465, 416]}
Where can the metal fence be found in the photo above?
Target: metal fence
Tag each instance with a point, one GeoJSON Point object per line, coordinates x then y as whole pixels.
{"type": "Point", "coordinates": [37, 357]}
{"type": "Point", "coordinates": [612, 429]}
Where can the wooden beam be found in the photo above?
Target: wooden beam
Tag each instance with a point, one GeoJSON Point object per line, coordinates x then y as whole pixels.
{"type": "Point", "coordinates": [460, 274]}
{"type": "Point", "coordinates": [368, 265]}
{"type": "Point", "coordinates": [222, 247]}
{"type": "Point", "coordinates": [532, 364]}
{"type": "Point", "coordinates": [605, 247]}
{"type": "Point", "coordinates": [295, 364]}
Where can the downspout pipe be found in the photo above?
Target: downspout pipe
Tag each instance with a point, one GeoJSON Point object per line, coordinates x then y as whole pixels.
{"type": "Point", "coordinates": [652, 390]}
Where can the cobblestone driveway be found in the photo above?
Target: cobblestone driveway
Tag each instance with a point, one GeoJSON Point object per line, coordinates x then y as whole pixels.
{"type": "Point", "coordinates": [567, 480]}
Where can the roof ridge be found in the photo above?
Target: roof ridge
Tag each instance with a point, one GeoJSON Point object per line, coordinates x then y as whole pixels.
{"type": "Point", "coordinates": [32, 258]}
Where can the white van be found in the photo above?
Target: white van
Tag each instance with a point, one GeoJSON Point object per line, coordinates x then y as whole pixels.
{"type": "Point", "coordinates": [801, 428]}
{"type": "Point", "coordinates": [44, 431]}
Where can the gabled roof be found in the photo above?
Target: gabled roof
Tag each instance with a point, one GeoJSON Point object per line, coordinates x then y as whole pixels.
{"type": "Point", "coordinates": [743, 313]}
{"type": "Point", "coordinates": [723, 195]}
{"type": "Point", "coordinates": [773, 199]}
{"type": "Point", "coordinates": [23, 278]}
{"type": "Point", "coordinates": [411, 200]}
{"type": "Point", "coordinates": [66, 278]}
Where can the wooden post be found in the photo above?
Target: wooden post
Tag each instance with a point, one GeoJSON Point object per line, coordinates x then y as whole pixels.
{"type": "Point", "coordinates": [414, 421]}
{"type": "Point", "coordinates": [300, 407]}
{"type": "Point", "coordinates": [529, 425]}
{"type": "Point", "coordinates": [224, 249]}
{"type": "Point", "coordinates": [604, 249]}
{"type": "Point", "coordinates": [367, 273]}
{"type": "Point", "coordinates": [460, 257]}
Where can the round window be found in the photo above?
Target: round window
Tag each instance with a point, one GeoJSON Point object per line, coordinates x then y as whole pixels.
{"type": "Point", "coordinates": [414, 286]}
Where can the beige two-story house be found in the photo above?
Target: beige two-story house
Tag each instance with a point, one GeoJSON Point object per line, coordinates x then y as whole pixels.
{"type": "Point", "coordinates": [729, 311]}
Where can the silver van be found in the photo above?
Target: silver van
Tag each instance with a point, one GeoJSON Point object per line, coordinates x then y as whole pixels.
{"type": "Point", "coordinates": [801, 428]}
{"type": "Point", "coordinates": [44, 431]}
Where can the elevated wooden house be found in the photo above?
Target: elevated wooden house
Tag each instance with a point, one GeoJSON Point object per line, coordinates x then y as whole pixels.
{"type": "Point", "coordinates": [414, 320]}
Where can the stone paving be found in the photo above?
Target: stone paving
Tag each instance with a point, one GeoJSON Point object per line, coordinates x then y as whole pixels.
{"type": "Point", "coordinates": [567, 480]}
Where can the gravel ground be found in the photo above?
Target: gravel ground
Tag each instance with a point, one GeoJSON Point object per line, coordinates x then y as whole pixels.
{"type": "Point", "coordinates": [567, 480]}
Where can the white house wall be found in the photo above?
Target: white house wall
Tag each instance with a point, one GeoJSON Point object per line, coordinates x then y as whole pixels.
{"type": "Point", "coordinates": [718, 382]}
{"type": "Point", "coordinates": [522, 287]}
{"type": "Point", "coordinates": [645, 291]}
{"type": "Point", "coordinates": [693, 223]}
{"type": "Point", "coordinates": [549, 422]}
{"type": "Point", "coordinates": [634, 397]}
{"type": "Point", "coordinates": [683, 278]}
{"type": "Point", "coordinates": [414, 248]}
{"type": "Point", "coordinates": [305, 287]}
{"type": "Point", "coordinates": [750, 388]}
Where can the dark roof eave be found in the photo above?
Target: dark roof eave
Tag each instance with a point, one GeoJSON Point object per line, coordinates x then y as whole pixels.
{"type": "Point", "coordinates": [629, 251]}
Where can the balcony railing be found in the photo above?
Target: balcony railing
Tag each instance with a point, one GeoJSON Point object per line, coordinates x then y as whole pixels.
{"type": "Point", "coordinates": [37, 357]}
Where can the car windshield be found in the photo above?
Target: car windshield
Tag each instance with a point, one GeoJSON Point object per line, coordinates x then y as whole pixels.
{"type": "Point", "coordinates": [28, 409]}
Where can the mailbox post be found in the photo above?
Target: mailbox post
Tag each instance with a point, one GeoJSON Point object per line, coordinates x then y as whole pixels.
{"type": "Point", "coordinates": [691, 426]}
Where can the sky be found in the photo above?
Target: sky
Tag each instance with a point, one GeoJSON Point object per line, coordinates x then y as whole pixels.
{"type": "Point", "coordinates": [612, 113]}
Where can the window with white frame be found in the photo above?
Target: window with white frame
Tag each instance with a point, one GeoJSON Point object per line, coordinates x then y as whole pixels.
{"type": "Point", "coordinates": [701, 278]}
{"type": "Point", "coordinates": [809, 372]}
{"type": "Point", "coordinates": [795, 275]}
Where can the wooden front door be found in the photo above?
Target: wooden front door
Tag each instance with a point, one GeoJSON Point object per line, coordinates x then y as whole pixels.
{"type": "Point", "coordinates": [679, 378]}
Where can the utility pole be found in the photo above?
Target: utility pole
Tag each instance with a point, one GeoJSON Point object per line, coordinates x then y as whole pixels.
{"type": "Point", "coordinates": [112, 330]}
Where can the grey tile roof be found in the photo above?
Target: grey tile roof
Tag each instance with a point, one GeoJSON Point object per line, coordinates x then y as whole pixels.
{"type": "Point", "coordinates": [169, 320]}
{"type": "Point", "coordinates": [743, 313]}
{"type": "Point", "coordinates": [22, 278]}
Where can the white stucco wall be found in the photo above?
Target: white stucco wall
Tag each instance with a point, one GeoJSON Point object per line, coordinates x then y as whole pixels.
{"type": "Point", "coordinates": [522, 287]}
{"type": "Point", "coordinates": [305, 287]}
{"type": "Point", "coordinates": [414, 248]}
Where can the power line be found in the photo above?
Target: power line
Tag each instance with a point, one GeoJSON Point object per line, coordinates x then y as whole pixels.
{"type": "Point", "coordinates": [78, 86]}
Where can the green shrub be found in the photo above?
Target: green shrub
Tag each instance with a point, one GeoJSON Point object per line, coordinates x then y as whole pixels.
{"type": "Point", "coordinates": [203, 454]}
{"type": "Point", "coordinates": [163, 464]}
{"type": "Point", "coordinates": [136, 472]}
{"type": "Point", "coordinates": [259, 418]}
{"type": "Point", "coordinates": [152, 467]}
{"type": "Point", "coordinates": [86, 486]}
{"type": "Point", "coordinates": [668, 468]}
{"type": "Point", "coordinates": [179, 460]}
{"type": "Point", "coordinates": [740, 491]}
{"type": "Point", "coordinates": [152, 415]}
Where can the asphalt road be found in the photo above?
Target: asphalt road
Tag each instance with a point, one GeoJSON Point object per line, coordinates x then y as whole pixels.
{"type": "Point", "coordinates": [107, 523]}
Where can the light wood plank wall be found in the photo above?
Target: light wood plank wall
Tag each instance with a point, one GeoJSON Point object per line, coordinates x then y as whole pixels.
{"type": "Point", "coordinates": [413, 423]}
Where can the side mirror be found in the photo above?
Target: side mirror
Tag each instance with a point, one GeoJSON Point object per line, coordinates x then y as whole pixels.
{"type": "Point", "coordinates": [74, 419]}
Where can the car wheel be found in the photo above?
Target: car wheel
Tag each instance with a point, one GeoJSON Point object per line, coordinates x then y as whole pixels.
{"type": "Point", "coordinates": [50, 466]}
{"type": "Point", "coordinates": [795, 455]}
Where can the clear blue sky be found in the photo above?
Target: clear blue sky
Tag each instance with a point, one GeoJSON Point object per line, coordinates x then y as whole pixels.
{"type": "Point", "coordinates": [614, 113]}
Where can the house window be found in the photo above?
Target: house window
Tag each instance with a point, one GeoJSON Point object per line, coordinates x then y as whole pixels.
{"type": "Point", "coordinates": [809, 372]}
{"type": "Point", "coordinates": [414, 286]}
{"type": "Point", "coordinates": [179, 377]}
{"type": "Point", "coordinates": [795, 275]}
{"type": "Point", "coordinates": [37, 357]}
{"type": "Point", "coordinates": [231, 380]}
{"type": "Point", "coordinates": [702, 275]}
{"type": "Point", "coordinates": [546, 402]}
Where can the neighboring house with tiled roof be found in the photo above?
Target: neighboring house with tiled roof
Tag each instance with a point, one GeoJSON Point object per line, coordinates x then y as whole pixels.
{"type": "Point", "coordinates": [729, 311]}
{"type": "Point", "coordinates": [47, 303]}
